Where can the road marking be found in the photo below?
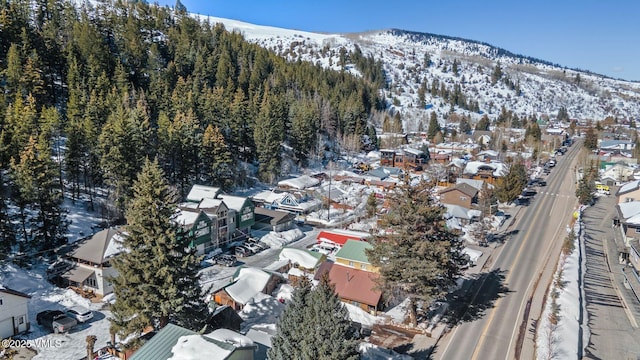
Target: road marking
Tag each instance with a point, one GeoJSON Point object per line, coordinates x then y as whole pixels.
{"type": "Point", "coordinates": [506, 281]}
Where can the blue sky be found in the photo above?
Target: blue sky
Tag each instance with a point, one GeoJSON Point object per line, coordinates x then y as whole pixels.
{"type": "Point", "coordinates": [599, 36]}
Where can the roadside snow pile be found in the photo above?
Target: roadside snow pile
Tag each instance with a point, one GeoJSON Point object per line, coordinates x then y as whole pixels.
{"type": "Point", "coordinates": [559, 327]}
{"type": "Point", "coordinates": [279, 239]}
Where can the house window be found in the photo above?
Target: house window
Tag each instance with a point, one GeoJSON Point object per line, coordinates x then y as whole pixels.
{"type": "Point", "coordinates": [637, 231]}
{"type": "Point", "coordinates": [21, 320]}
{"type": "Point", "coordinates": [363, 266]}
{"type": "Point", "coordinates": [355, 303]}
{"type": "Point", "coordinates": [91, 282]}
{"type": "Point", "coordinates": [350, 263]}
{"type": "Point", "coordinates": [1, 301]}
{"type": "Point", "coordinates": [463, 198]}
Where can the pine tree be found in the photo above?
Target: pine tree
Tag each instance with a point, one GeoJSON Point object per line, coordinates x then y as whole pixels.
{"type": "Point", "coordinates": [434, 126]}
{"type": "Point", "coordinates": [268, 135]}
{"type": "Point", "coordinates": [216, 159]}
{"type": "Point", "coordinates": [509, 187]}
{"type": "Point", "coordinates": [417, 256]}
{"type": "Point", "coordinates": [37, 182]}
{"type": "Point", "coordinates": [314, 325]}
{"type": "Point", "coordinates": [158, 277]}
{"type": "Point", "coordinates": [591, 139]}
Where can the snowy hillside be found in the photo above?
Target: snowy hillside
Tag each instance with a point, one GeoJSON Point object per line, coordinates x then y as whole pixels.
{"type": "Point", "coordinates": [534, 87]}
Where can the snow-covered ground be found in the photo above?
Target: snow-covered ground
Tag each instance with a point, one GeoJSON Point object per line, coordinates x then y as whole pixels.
{"type": "Point", "coordinates": [560, 340]}
{"type": "Point", "coordinates": [45, 296]}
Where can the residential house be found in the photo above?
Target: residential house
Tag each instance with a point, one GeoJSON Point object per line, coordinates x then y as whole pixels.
{"type": "Point", "coordinates": [482, 137]}
{"type": "Point", "coordinates": [298, 183]}
{"type": "Point", "coordinates": [353, 254]}
{"type": "Point", "coordinates": [303, 262]}
{"type": "Point", "coordinates": [14, 312]}
{"type": "Point", "coordinates": [629, 191]}
{"type": "Point", "coordinates": [247, 283]}
{"type": "Point", "coordinates": [461, 194]}
{"type": "Point", "coordinates": [93, 270]}
{"type": "Point", "coordinates": [463, 215]}
{"type": "Point", "coordinates": [356, 287]}
{"type": "Point", "coordinates": [622, 145]}
{"type": "Point", "coordinates": [338, 238]}
{"type": "Point", "coordinates": [175, 342]}
{"type": "Point", "coordinates": [244, 212]}
{"type": "Point", "coordinates": [211, 233]}
{"type": "Point", "coordinates": [274, 220]}
{"type": "Point", "coordinates": [239, 212]}
{"type": "Point", "coordinates": [298, 202]}
{"type": "Point", "coordinates": [197, 224]}
{"type": "Point", "coordinates": [488, 172]}
{"type": "Point", "coordinates": [629, 219]}
{"type": "Point", "coordinates": [620, 172]}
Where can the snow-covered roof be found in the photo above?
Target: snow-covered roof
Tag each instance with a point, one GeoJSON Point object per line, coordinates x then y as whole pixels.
{"type": "Point", "coordinates": [499, 169]}
{"type": "Point", "coordinates": [269, 196]}
{"type": "Point", "coordinates": [302, 257]}
{"type": "Point", "coordinates": [199, 192]}
{"type": "Point", "coordinates": [192, 347]}
{"type": "Point", "coordinates": [185, 218]}
{"type": "Point", "coordinates": [102, 245]}
{"type": "Point", "coordinates": [300, 183]}
{"type": "Point", "coordinates": [207, 203]}
{"type": "Point", "coordinates": [629, 209]}
{"type": "Point", "coordinates": [477, 184]}
{"type": "Point", "coordinates": [230, 337]}
{"type": "Point", "coordinates": [460, 212]}
{"type": "Point", "coordinates": [233, 202]}
{"type": "Point", "coordinates": [630, 186]}
{"type": "Point", "coordinates": [249, 282]}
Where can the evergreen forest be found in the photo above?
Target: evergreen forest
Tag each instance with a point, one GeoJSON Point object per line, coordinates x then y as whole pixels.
{"type": "Point", "coordinates": [91, 91]}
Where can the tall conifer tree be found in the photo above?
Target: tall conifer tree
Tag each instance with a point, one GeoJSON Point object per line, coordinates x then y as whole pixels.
{"type": "Point", "coordinates": [418, 257]}
{"type": "Point", "coordinates": [158, 277]}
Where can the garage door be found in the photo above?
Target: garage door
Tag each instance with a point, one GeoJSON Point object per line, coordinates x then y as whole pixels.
{"type": "Point", "coordinates": [6, 328]}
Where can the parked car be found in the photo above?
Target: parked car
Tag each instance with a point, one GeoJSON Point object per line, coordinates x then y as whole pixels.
{"type": "Point", "coordinates": [254, 248]}
{"type": "Point", "coordinates": [56, 321]}
{"type": "Point", "coordinates": [242, 251]}
{"type": "Point", "coordinates": [227, 260]}
{"type": "Point", "coordinates": [80, 314]}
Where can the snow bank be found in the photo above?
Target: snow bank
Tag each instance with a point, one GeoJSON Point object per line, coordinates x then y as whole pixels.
{"type": "Point", "coordinates": [279, 239]}
{"type": "Point", "coordinates": [561, 340]}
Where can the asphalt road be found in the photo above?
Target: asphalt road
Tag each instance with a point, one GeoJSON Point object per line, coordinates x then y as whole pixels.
{"type": "Point", "coordinates": [499, 322]}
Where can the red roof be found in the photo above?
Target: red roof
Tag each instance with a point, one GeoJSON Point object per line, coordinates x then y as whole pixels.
{"type": "Point", "coordinates": [355, 285]}
{"type": "Point", "coordinates": [340, 238]}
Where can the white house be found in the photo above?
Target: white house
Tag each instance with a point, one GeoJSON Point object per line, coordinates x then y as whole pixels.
{"type": "Point", "coordinates": [92, 259]}
{"type": "Point", "coordinates": [14, 312]}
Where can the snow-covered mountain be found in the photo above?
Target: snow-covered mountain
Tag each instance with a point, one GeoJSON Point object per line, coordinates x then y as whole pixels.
{"type": "Point", "coordinates": [528, 87]}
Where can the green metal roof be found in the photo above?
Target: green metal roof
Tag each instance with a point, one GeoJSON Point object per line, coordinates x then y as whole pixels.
{"type": "Point", "coordinates": [159, 347]}
{"type": "Point", "coordinates": [354, 250]}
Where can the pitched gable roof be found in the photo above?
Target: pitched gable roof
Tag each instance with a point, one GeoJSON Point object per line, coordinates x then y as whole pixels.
{"type": "Point", "coordinates": [13, 292]}
{"type": "Point", "coordinates": [199, 192]}
{"type": "Point", "coordinates": [354, 250]}
{"type": "Point", "coordinates": [463, 188]}
{"type": "Point", "coordinates": [356, 285]}
{"type": "Point", "coordinates": [102, 245]}
{"type": "Point", "coordinates": [629, 187]}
